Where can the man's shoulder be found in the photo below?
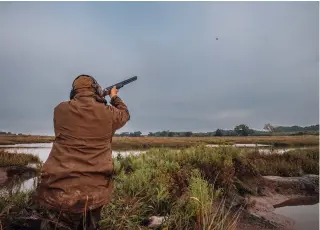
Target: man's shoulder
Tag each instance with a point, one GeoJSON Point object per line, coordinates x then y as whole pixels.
{"type": "Point", "coordinates": [61, 105]}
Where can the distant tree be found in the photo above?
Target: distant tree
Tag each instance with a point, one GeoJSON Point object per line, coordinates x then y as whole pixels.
{"type": "Point", "coordinates": [268, 127]}
{"type": "Point", "coordinates": [242, 130]}
{"type": "Point", "coordinates": [137, 134]}
{"type": "Point", "coordinates": [188, 134]}
{"type": "Point", "coordinates": [219, 133]}
{"type": "Point", "coordinates": [123, 134]}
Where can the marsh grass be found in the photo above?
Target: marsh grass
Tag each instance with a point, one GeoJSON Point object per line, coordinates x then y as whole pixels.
{"type": "Point", "coordinates": [23, 139]}
{"type": "Point", "coordinates": [293, 163]}
{"type": "Point", "coordinates": [12, 206]}
{"type": "Point", "coordinates": [130, 143]}
{"type": "Point", "coordinates": [16, 159]}
{"type": "Point", "coordinates": [127, 143]}
{"type": "Point", "coordinates": [191, 188]}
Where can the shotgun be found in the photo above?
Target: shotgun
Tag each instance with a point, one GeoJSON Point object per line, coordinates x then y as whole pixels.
{"type": "Point", "coordinates": [119, 85]}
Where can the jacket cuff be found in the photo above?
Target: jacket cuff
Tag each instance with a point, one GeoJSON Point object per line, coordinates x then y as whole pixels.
{"type": "Point", "coordinates": [115, 100]}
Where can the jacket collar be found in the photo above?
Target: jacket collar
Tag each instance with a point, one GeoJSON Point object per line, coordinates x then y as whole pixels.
{"type": "Point", "coordinates": [84, 93]}
{"type": "Point", "coordinates": [89, 95]}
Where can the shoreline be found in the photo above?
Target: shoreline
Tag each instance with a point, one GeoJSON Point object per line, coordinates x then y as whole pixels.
{"type": "Point", "coordinates": [145, 142]}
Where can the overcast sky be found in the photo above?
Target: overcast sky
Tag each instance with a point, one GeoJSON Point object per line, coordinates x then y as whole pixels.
{"type": "Point", "coordinates": [264, 67]}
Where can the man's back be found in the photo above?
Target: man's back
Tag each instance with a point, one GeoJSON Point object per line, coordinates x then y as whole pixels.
{"type": "Point", "coordinates": [77, 172]}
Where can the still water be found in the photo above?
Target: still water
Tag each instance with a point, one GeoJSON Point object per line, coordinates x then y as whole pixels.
{"type": "Point", "coordinates": [42, 150]}
{"type": "Point", "coordinates": [305, 213]}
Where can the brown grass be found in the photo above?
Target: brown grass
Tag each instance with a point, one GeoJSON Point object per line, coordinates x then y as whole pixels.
{"type": "Point", "coordinates": [16, 159]}
{"type": "Point", "coordinates": [128, 143]}
{"type": "Point", "coordinates": [181, 142]}
{"type": "Point", "coordinates": [24, 139]}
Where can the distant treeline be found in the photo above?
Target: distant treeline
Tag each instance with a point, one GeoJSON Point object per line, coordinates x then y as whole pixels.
{"type": "Point", "coordinates": [9, 133]}
{"type": "Point", "coordinates": [290, 129]}
{"type": "Point", "coordinates": [239, 130]}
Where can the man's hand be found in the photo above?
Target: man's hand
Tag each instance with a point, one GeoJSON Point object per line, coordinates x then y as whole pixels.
{"type": "Point", "coordinates": [114, 91]}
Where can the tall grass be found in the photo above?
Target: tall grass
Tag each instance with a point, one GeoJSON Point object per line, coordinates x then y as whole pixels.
{"type": "Point", "coordinates": [169, 183]}
{"type": "Point", "coordinates": [191, 188]}
{"type": "Point", "coordinates": [16, 159]}
{"type": "Point", "coordinates": [292, 163]}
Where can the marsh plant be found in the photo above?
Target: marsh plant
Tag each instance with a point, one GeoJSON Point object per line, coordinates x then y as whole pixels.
{"type": "Point", "coordinates": [169, 183]}
{"type": "Point", "coordinates": [16, 159]}
{"type": "Point", "coordinates": [190, 188]}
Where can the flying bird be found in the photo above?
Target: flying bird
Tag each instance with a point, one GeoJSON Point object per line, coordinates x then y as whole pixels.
{"type": "Point", "coordinates": [216, 38]}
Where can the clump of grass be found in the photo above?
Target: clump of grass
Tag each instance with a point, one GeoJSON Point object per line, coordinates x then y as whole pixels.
{"type": "Point", "coordinates": [292, 163]}
{"type": "Point", "coordinates": [201, 208]}
{"type": "Point", "coordinates": [11, 207]}
{"type": "Point", "coordinates": [16, 159]}
{"type": "Point", "coordinates": [171, 183]}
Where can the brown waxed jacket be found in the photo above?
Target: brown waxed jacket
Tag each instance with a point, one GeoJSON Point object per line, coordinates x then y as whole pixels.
{"type": "Point", "coordinates": [77, 173]}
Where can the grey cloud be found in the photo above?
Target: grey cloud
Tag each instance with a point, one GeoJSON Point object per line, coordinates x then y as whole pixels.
{"type": "Point", "coordinates": [264, 67]}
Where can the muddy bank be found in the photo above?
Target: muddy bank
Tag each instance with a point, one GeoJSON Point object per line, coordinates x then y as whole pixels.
{"type": "Point", "coordinates": [276, 192]}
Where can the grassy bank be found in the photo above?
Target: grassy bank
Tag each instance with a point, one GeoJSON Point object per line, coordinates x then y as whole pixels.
{"type": "Point", "coordinates": [16, 159]}
{"type": "Point", "coordinates": [193, 187]}
{"type": "Point", "coordinates": [294, 163]}
{"type": "Point", "coordinates": [128, 143]}
{"type": "Point", "coordinates": [24, 139]}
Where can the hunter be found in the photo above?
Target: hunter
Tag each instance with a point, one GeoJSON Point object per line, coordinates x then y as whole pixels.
{"type": "Point", "coordinates": [76, 180]}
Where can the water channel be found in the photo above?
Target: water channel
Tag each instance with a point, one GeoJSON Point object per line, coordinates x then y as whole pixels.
{"type": "Point", "coordinates": [304, 212]}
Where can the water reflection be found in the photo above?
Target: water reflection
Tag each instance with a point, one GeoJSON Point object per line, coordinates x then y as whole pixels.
{"type": "Point", "coordinates": [309, 200]}
{"type": "Point", "coordinates": [42, 150]}
{"type": "Point", "coordinates": [28, 181]}
{"type": "Point", "coordinates": [19, 183]}
{"type": "Point", "coordinates": [304, 211]}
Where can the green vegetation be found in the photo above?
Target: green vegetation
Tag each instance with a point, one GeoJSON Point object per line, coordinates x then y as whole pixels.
{"type": "Point", "coordinates": [147, 142]}
{"type": "Point", "coordinates": [193, 188]}
{"type": "Point", "coordinates": [293, 163]}
{"type": "Point", "coordinates": [295, 128]}
{"type": "Point", "coordinates": [16, 159]}
{"type": "Point", "coordinates": [129, 143]}
{"type": "Point", "coordinates": [243, 130]}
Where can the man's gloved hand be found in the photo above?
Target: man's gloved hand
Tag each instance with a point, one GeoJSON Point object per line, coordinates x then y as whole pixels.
{"type": "Point", "coordinates": [113, 92]}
